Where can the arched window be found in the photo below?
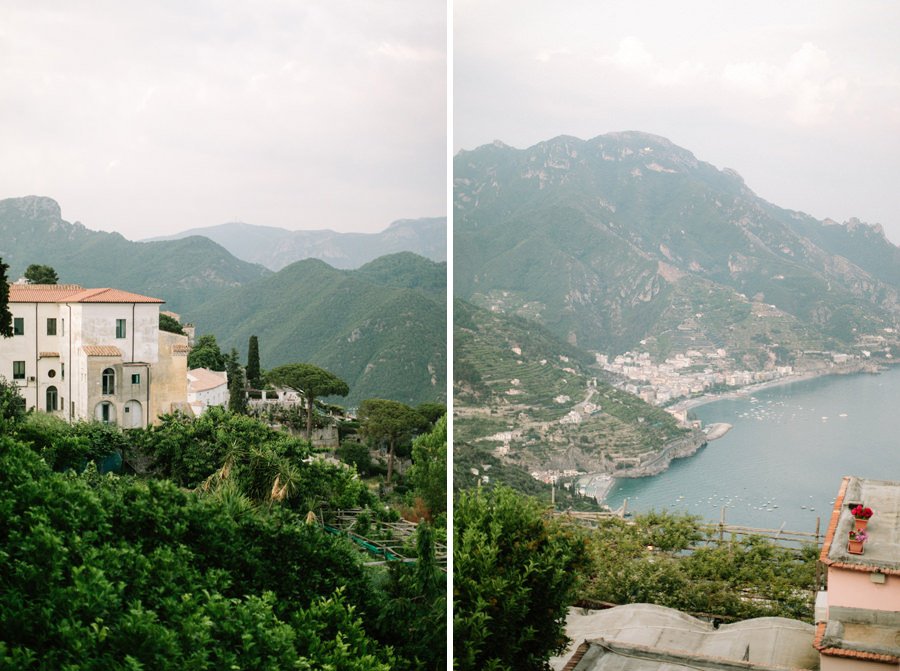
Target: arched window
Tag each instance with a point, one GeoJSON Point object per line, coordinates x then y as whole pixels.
{"type": "Point", "coordinates": [109, 382]}
{"type": "Point", "coordinates": [52, 399]}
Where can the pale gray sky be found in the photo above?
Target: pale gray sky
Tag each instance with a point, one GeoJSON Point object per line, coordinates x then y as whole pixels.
{"type": "Point", "coordinates": [801, 98]}
{"type": "Point", "coordinates": [149, 118]}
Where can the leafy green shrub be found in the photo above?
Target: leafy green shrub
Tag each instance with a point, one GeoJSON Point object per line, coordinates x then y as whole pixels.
{"type": "Point", "coordinates": [514, 577]}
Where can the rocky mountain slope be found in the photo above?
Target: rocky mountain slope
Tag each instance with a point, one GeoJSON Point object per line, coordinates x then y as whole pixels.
{"type": "Point", "coordinates": [619, 239]}
{"type": "Point", "coordinates": [185, 273]}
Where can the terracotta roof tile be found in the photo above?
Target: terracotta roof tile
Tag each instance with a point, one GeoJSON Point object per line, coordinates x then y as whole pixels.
{"type": "Point", "coordinates": [107, 295]}
{"type": "Point", "coordinates": [819, 645]}
{"type": "Point", "coordinates": [73, 293]}
{"type": "Point", "coordinates": [202, 379]}
{"type": "Point", "coordinates": [48, 355]}
{"type": "Point", "coordinates": [101, 350]}
{"type": "Point", "coordinates": [42, 293]}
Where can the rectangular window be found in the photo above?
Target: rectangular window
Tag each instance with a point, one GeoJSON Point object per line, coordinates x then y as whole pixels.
{"type": "Point", "coordinates": [120, 328]}
{"type": "Point", "coordinates": [135, 378]}
{"type": "Point", "coordinates": [18, 326]}
{"type": "Point", "coordinates": [18, 370]}
{"type": "Point", "coordinates": [62, 371]}
{"type": "Point", "coordinates": [51, 326]}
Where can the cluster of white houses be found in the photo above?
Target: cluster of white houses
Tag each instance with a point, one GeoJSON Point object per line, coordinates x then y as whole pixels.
{"type": "Point", "coordinates": [85, 354]}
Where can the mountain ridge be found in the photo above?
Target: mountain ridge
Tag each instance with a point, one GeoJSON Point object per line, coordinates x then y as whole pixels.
{"type": "Point", "coordinates": [185, 272]}
{"type": "Point", "coordinates": [381, 327]}
{"type": "Point", "coordinates": [275, 247]}
{"type": "Point", "coordinates": [607, 225]}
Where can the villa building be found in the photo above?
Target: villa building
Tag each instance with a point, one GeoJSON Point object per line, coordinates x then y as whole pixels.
{"type": "Point", "coordinates": [85, 354]}
{"type": "Point", "coordinates": [206, 388]}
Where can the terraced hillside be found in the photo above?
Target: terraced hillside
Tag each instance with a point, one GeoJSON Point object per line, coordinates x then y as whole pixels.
{"type": "Point", "coordinates": [531, 401]}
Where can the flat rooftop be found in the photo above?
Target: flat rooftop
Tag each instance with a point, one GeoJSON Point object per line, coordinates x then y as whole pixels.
{"type": "Point", "coordinates": [882, 550]}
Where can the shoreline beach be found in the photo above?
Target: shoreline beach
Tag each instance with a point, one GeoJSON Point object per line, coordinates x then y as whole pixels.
{"type": "Point", "coordinates": [690, 403]}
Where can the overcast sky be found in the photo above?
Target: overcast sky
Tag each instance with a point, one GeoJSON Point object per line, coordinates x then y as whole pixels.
{"type": "Point", "coordinates": [153, 117]}
{"type": "Point", "coordinates": [801, 98]}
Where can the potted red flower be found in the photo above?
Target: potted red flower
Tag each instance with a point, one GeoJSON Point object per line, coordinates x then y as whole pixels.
{"type": "Point", "coordinates": [861, 516]}
{"type": "Point", "coordinates": [857, 539]}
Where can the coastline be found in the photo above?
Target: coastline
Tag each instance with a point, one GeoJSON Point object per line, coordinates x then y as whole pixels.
{"type": "Point", "coordinates": [686, 447]}
{"type": "Point", "coordinates": [689, 403]}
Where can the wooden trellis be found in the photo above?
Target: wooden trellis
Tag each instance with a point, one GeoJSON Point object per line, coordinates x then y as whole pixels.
{"type": "Point", "coordinates": [386, 539]}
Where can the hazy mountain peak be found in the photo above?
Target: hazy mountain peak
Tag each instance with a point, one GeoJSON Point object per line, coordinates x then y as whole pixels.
{"type": "Point", "coordinates": [594, 220]}
{"type": "Point", "coordinates": [276, 248]}
{"type": "Point", "coordinates": [36, 207]}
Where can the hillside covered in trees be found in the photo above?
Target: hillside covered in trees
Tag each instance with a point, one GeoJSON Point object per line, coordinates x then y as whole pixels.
{"type": "Point", "coordinates": [220, 554]}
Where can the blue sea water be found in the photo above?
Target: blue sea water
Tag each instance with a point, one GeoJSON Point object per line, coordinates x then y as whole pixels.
{"type": "Point", "coordinates": [783, 460]}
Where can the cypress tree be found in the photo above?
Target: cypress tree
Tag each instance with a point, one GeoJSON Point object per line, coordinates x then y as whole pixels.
{"type": "Point", "coordinates": [6, 329]}
{"type": "Point", "coordinates": [253, 363]}
{"type": "Point", "coordinates": [237, 399]}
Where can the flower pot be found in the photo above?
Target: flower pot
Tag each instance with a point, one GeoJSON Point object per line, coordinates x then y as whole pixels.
{"type": "Point", "coordinates": [860, 523]}
{"type": "Point", "coordinates": [855, 547]}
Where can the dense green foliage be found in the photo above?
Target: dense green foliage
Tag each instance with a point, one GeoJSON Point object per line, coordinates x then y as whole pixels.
{"type": "Point", "coordinates": [71, 446]}
{"type": "Point", "coordinates": [357, 455]}
{"type": "Point", "coordinates": [391, 422]}
{"type": "Point", "coordinates": [40, 274]}
{"type": "Point", "coordinates": [206, 354]}
{"type": "Point", "coordinates": [103, 572]}
{"type": "Point", "coordinates": [223, 450]}
{"type": "Point", "coordinates": [382, 329]}
{"type": "Point", "coordinates": [12, 405]}
{"type": "Point", "coordinates": [664, 559]}
{"type": "Point", "coordinates": [107, 572]}
{"type": "Point", "coordinates": [170, 324]}
{"type": "Point", "coordinates": [186, 273]}
{"type": "Point", "coordinates": [416, 614]}
{"type": "Point", "coordinates": [514, 577]}
{"type": "Point", "coordinates": [428, 474]}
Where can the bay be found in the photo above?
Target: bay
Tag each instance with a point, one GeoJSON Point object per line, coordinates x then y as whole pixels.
{"type": "Point", "coordinates": [783, 460]}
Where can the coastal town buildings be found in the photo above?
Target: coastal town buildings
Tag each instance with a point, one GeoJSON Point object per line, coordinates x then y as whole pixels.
{"type": "Point", "coordinates": [683, 374]}
{"type": "Point", "coordinates": [82, 354]}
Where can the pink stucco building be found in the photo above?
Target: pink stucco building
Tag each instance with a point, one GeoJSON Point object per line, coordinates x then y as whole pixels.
{"type": "Point", "coordinates": [859, 614]}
